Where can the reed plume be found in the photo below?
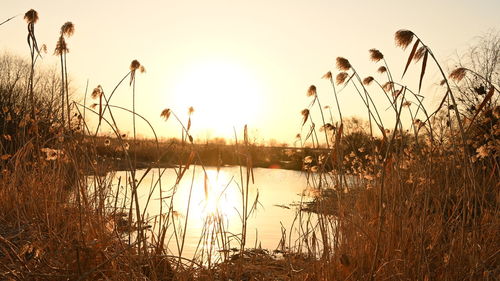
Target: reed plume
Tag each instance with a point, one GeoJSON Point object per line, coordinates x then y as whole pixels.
{"type": "Point", "coordinates": [97, 92]}
{"type": "Point", "coordinates": [305, 115]}
{"type": "Point", "coordinates": [419, 54]}
{"type": "Point", "coordinates": [166, 113]}
{"type": "Point", "coordinates": [382, 69]}
{"type": "Point", "coordinates": [376, 55]}
{"type": "Point", "coordinates": [341, 77]}
{"type": "Point", "coordinates": [134, 65]}
{"type": "Point", "coordinates": [368, 80]}
{"type": "Point", "coordinates": [403, 38]}
{"type": "Point", "coordinates": [311, 91]}
{"type": "Point", "coordinates": [61, 47]}
{"type": "Point", "coordinates": [31, 16]}
{"type": "Point", "coordinates": [458, 74]}
{"type": "Point", "coordinates": [343, 64]}
{"type": "Point", "coordinates": [67, 29]}
{"type": "Point", "coordinates": [388, 86]}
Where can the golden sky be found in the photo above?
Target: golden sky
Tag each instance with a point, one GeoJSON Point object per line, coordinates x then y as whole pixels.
{"type": "Point", "coordinates": [241, 62]}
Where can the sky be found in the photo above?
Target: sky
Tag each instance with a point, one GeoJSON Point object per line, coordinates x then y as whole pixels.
{"type": "Point", "coordinates": [242, 62]}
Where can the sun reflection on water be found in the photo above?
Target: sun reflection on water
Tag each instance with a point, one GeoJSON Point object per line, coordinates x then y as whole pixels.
{"type": "Point", "coordinates": [206, 213]}
{"type": "Point", "coordinates": [214, 193]}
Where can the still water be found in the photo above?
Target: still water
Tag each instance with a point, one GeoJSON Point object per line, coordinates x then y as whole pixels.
{"type": "Point", "coordinates": [219, 192]}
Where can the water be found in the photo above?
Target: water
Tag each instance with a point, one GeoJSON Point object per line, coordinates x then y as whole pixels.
{"type": "Point", "coordinates": [220, 193]}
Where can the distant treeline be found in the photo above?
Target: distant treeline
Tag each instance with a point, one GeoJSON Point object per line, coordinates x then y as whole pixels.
{"type": "Point", "coordinates": [174, 152]}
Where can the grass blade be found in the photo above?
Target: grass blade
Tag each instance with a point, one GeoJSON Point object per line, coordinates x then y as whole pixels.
{"type": "Point", "coordinates": [410, 57]}
{"type": "Point", "coordinates": [424, 64]}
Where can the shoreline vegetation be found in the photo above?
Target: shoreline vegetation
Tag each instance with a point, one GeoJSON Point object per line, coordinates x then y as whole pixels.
{"type": "Point", "coordinates": [210, 155]}
{"type": "Point", "coordinates": [424, 204]}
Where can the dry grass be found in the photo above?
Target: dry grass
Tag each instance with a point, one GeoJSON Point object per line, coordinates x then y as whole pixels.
{"type": "Point", "coordinates": [412, 207]}
{"type": "Point", "coordinates": [397, 206]}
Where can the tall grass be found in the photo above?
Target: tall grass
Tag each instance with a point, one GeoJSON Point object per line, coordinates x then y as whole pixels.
{"type": "Point", "coordinates": [424, 209]}
{"type": "Point", "coordinates": [389, 204]}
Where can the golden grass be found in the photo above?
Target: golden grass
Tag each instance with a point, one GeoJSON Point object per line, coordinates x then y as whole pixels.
{"type": "Point", "coordinates": [401, 206]}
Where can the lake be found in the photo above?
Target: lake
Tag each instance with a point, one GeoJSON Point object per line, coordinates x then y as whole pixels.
{"type": "Point", "coordinates": [219, 193]}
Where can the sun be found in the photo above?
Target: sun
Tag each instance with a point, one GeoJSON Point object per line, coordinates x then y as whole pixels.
{"type": "Point", "coordinates": [224, 94]}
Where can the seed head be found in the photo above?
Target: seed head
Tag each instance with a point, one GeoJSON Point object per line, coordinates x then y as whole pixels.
{"type": "Point", "coordinates": [341, 77]}
{"type": "Point", "coordinates": [376, 55]}
{"type": "Point", "coordinates": [165, 113]}
{"type": "Point", "coordinates": [61, 47]}
{"type": "Point", "coordinates": [327, 127]}
{"type": "Point", "coordinates": [388, 86]}
{"type": "Point", "coordinates": [382, 69]}
{"type": "Point", "coordinates": [418, 123]}
{"type": "Point", "coordinates": [311, 91]}
{"type": "Point", "coordinates": [67, 29]}
{"type": "Point", "coordinates": [343, 64]}
{"type": "Point", "coordinates": [419, 53]}
{"type": "Point", "coordinates": [458, 74]}
{"type": "Point", "coordinates": [368, 80]}
{"type": "Point", "coordinates": [31, 16]}
{"type": "Point", "coordinates": [134, 65]}
{"type": "Point", "coordinates": [97, 92]}
{"type": "Point", "coordinates": [305, 115]}
{"type": "Point", "coordinates": [190, 110]}
{"type": "Point", "coordinates": [403, 38]}
{"type": "Point", "coordinates": [396, 93]}
{"type": "Point", "coordinates": [327, 75]}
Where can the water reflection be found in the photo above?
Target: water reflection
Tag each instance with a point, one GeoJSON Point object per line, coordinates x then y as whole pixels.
{"type": "Point", "coordinates": [212, 193]}
{"type": "Point", "coordinates": [207, 204]}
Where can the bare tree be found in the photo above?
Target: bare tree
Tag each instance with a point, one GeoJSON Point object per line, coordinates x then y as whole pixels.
{"type": "Point", "coordinates": [484, 59]}
{"type": "Point", "coordinates": [16, 122]}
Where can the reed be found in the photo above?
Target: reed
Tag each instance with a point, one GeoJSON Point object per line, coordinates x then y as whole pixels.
{"type": "Point", "coordinates": [417, 200]}
{"type": "Point", "coordinates": [405, 218]}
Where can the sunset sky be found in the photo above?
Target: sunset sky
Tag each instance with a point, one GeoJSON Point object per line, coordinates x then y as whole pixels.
{"type": "Point", "coordinates": [242, 62]}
